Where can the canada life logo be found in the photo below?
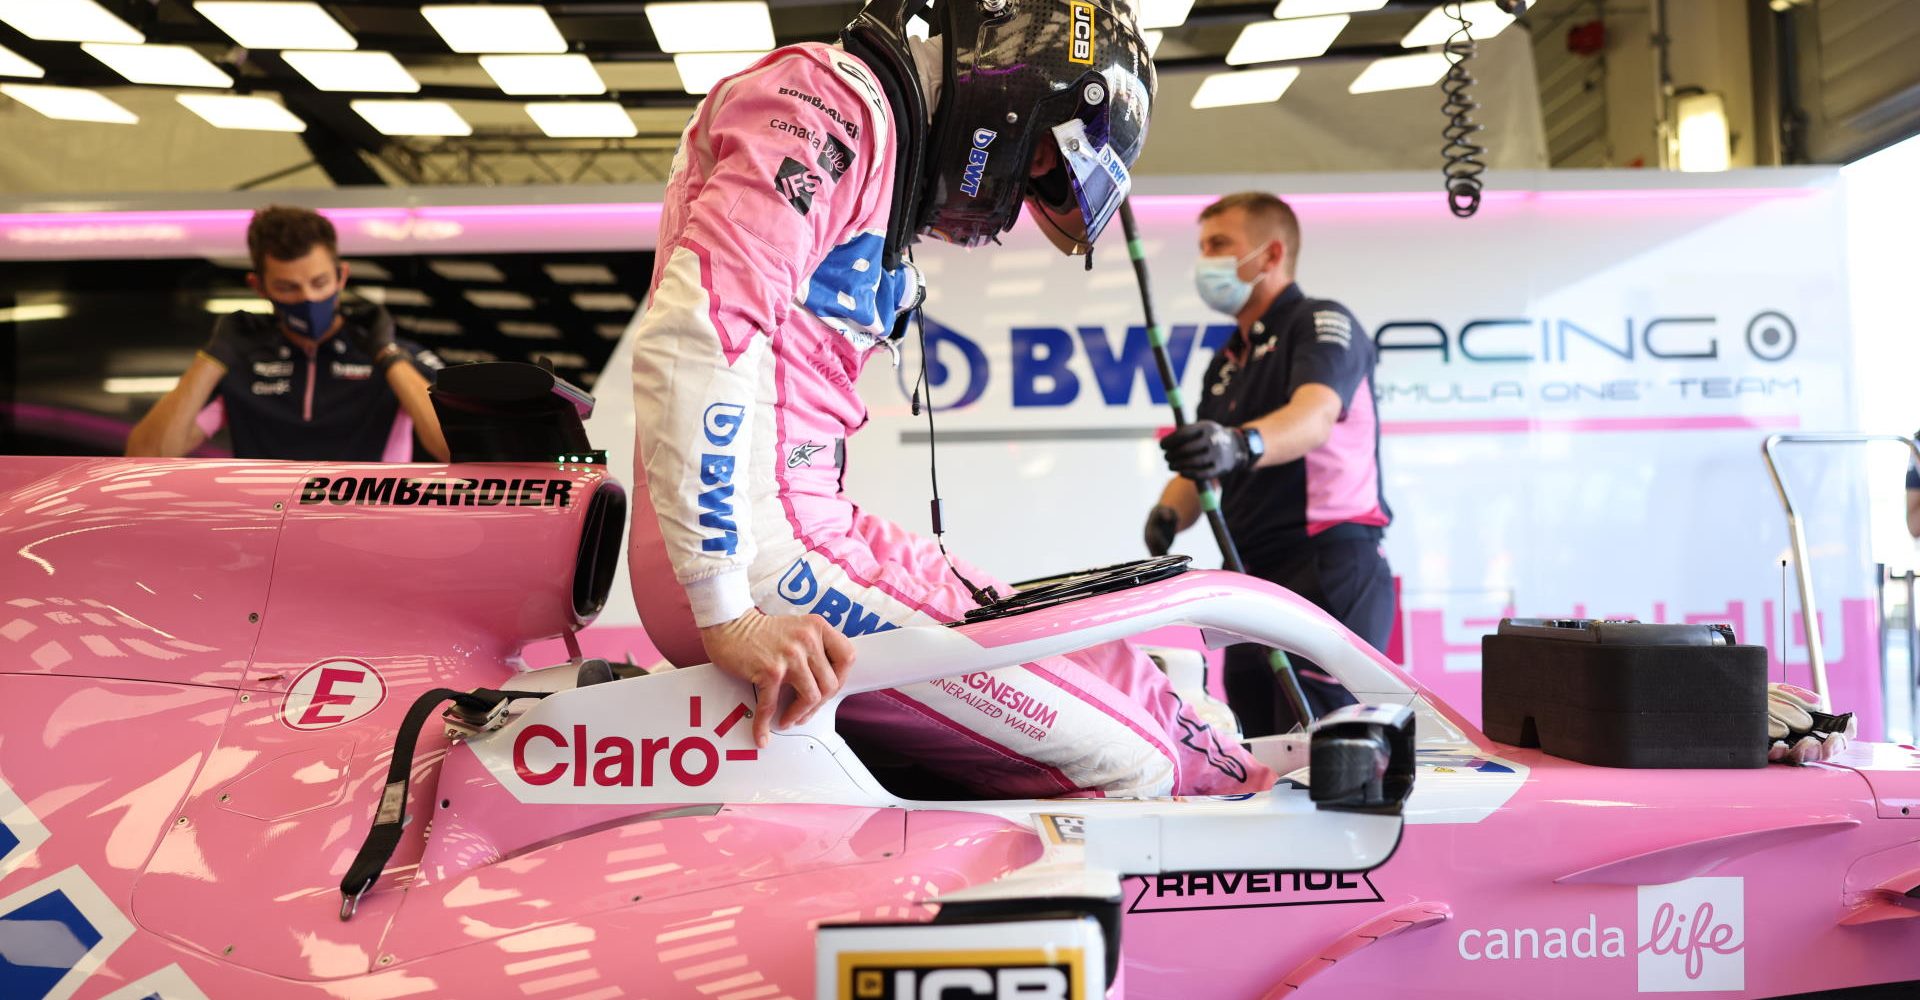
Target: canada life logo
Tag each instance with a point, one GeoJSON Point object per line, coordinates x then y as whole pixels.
{"type": "Point", "coordinates": [546, 755]}
{"type": "Point", "coordinates": [332, 693]}
{"type": "Point", "coordinates": [1693, 936]}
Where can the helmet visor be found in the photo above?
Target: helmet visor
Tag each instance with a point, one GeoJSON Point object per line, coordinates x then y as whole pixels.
{"type": "Point", "coordinates": [1088, 176]}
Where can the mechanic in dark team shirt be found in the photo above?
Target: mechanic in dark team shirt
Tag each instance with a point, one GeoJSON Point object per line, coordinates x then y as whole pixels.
{"type": "Point", "coordinates": [1288, 425]}
{"type": "Point", "coordinates": [316, 380]}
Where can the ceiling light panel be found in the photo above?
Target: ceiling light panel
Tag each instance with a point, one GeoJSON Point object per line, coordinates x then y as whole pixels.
{"type": "Point", "coordinates": [495, 27]}
{"type": "Point", "coordinates": [467, 270]}
{"type": "Point", "coordinates": [367, 72]}
{"type": "Point", "coordinates": [1273, 41]}
{"type": "Point", "coordinates": [71, 104]}
{"type": "Point", "coordinates": [1400, 73]}
{"type": "Point", "coordinates": [723, 26]}
{"type": "Point", "coordinates": [12, 64]}
{"type": "Point", "coordinates": [1164, 13]}
{"type": "Point", "coordinates": [1252, 86]}
{"type": "Point", "coordinates": [1486, 18]}
{"type": "Point", "coordinates": [529, 75]}
{"type": "Point", "coordinates": [160, 65]}
{"type": "Point", "coordinates": [580, 274]}
{"type": "Point", "coordinates": [257, 114]}
{"type": "Point", "coordinates": [67, 21]}
{"type": "Point", "coordinates": [1315, 8]}
{"type": "Point", "coordinates": [412, 117]}
{"type": "Point", "coordinates": [582, 120]}
{"type": "Point", "coordinates": [256, 25]}
{"type": "Point", "coordinates": [701, 71]}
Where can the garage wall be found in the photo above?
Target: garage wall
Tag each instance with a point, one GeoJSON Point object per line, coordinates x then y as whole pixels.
{"type": "Point", "coordinates": [1860, 79]}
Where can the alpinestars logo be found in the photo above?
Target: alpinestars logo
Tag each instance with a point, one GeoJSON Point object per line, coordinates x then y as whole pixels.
{"type": "Point", "coordinates": [803, 454]}
{"type": "Point", "coordinates": [795, 184]}
{"type": "Point", "coordinates": [977, 161]}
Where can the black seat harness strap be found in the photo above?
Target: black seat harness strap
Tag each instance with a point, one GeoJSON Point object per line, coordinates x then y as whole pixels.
{"type": "Point", "coordinates": [390, 818]}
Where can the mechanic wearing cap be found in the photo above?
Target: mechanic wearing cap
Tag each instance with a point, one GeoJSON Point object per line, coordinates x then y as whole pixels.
{"type": "Point", "coordinates": [314, 380]}
{"type": "Point", "coordinates": [1288, 426]}
{"type": "Point", "coordinates": [797, 187]}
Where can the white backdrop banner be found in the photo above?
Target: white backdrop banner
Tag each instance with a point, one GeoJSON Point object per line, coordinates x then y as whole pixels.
{"type": "Point", "coordinates": [1573, 389]}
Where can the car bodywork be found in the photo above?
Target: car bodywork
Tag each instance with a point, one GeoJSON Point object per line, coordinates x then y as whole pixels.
{"type": "Point", "coordinates": [203, 665]}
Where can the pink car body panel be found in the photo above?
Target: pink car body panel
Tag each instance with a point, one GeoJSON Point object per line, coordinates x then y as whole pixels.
{"type": "Point", "coordinates": [201, 675]}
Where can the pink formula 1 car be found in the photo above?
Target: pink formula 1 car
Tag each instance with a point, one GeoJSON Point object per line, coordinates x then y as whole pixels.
{"type": "Point", "coordinates": [225, 771]}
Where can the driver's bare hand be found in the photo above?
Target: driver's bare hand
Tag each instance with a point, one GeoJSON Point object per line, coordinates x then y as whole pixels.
{"type": "Point", "coordinates": [800, 651]}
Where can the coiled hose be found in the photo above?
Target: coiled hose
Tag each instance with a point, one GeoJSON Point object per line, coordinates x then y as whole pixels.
{"type": "Point", "coordinates": [1463, 166]}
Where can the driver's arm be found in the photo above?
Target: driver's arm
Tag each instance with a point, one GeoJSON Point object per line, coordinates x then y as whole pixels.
{"type": "Point", "coordinates": [410, 387]}
{"type": "Point", "coordinates": [764, 217]}
{"type": "Point", "coordinates": [169, 429]}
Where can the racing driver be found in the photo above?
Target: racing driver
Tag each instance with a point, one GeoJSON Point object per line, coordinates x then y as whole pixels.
{"type": "Point", "coordinates": [796, 189]}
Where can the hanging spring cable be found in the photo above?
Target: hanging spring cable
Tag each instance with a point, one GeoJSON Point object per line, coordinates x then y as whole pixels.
{"type": "Point", "coordinates": [1463, 165]}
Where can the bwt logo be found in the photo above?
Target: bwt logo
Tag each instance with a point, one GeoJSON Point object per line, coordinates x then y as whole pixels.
{"type": "Point", "coordinates": [1768, 336]}
{"type": "Point", "coordinates": [802, 589]}
{"type": "Point", "coordinates": [543, 755]}
{"type": "Point", "coordinates": [976, 166]}
{"type": "Point", "coordinates": [1693, 936]}
{"type": "Point", "coordinates": [1043, 364]}
{"type": "Point", "coordinates": [722, 422]}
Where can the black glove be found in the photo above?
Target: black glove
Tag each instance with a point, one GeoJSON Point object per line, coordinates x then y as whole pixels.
{"type": "Point", "coordinates": [372, 332]}
{"type": "Point", "coordinates": [1206, 450]}
{"type": "Point", "coordinates": [1163, 522]}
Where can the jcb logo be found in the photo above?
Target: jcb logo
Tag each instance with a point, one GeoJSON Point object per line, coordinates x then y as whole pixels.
{"type": "Point", "coordinates": [1006, 983]}
{"type": "Point", "coordinates": [1081, 50]}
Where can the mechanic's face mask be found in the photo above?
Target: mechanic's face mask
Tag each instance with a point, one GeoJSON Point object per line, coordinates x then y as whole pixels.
{"type": "Point", "coordinates": [308, 318]}
{"type": "Point", "coordinates": [1219, 283]}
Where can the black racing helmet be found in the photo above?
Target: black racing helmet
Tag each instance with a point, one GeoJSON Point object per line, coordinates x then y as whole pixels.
{"type": "Point", "coordinates": [1043, 101]}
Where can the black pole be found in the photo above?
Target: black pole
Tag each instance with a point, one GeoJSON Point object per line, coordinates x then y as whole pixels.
{"type": "Point", "coordinates": [1208, 489]}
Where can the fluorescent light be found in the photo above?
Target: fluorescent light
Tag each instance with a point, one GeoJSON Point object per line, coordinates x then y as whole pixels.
{"type": "Point", "coordinates": [371, 72]}
{"type": "Point", "coordinates": [1400, 73]}
{"type": "Point", "coordinates": [467, 270]}
{"type": "Point", "coordinates": [495, 27]}
{"type": "Point", "coordinates": [487, 298]}
{"type": "Point", "coordinates": [1247, 86]}
{"type": "Point", "coordinates": [141, 385]}
{"type": "Point", "coordinates": [1486, 20]}
{"type": "Point", "coordinates": [276, 25]}
{"type": "Point", "coordinates": [412, 117]}
{"type": "Point", "coordinates": [12, 64]}
{"type": "Point", "coordinates": [604, 302]}
{"type": "Point", "coordinates": [70, 103]}
{"type": "Point", "coordinates": [520, 75]}
{"type": "Point", "coordinates": [529, 331]}
{"type": "Point", "coordinates": [161, 65]}
{"type": "Point", "coordinates": [439, 328]}
{"type": "Point", "coordinates": [1272, 41]}
{"type": "Point", "coordinates": [722, 26]}
{"type": "Point", "coordinates": [701, 71]}
{"type": "Point", "coordinates": [580, 274]}
{"type": "Point", "coordinates": [1702, 135]}
{"type": "Point", "coordinates": [1314, 8]}
{"type": "Point", "coordinates": [1153, 39]}
{"type": "Point", "coordinates": [250, 304]}
{"type": "Point", "coordinates": [395, 296]}
{"type": "Point", "coordinates": [67, 21]}
{"type": "Point", "coordinates": [583, 120]}
{"type": "Point", "coordinates": [1164, 13]}
{"type": "Point", "coordinates": [30, 313]}
{"type": "Point", "coordinates": [257, 114]}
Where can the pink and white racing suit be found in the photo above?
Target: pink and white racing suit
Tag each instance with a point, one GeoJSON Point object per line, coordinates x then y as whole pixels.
{"type": "Point", "coordinates": [768, 295]}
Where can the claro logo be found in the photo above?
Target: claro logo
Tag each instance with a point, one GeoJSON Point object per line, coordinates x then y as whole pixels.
{"type": "Point", "coordinates": [545, 755]}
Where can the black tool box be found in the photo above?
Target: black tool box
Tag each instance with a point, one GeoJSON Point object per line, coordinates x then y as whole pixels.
{"type": "Point", "coordinates": [1626, 694]}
